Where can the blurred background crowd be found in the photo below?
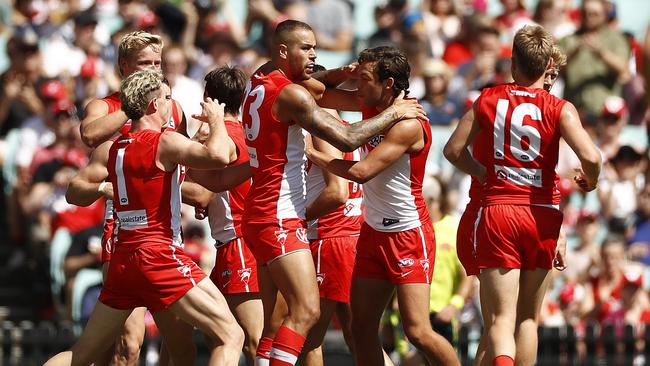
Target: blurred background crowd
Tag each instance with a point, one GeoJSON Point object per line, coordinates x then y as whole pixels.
{"type": "Point", "coordinates": [56, 55]}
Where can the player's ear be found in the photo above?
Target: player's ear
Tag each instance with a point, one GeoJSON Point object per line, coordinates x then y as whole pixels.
{"type": "Point", "coordinates": [284, 50]}
{"type": "Point", "coordinates": [389, 83]}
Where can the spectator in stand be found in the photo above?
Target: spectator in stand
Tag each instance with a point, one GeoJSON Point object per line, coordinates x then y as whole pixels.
{"type": "Point", "coordinates": [332, 24]}
{"type": "Point", "coordinates": [84, 252]}
{"type": "Point", "coordinates": [514, 16]}
{"type": "Point", "coordinates": [19, 99]}
{"type": "Point", "coordinates": [613, 118]}
{"type": "Point", "coordinates": [441, 24]}
{"type": "Point", "coordinates": [440, 106]}
{"type": "Point", "coordinates": [553, 15]}
{"type": "Point", "coordinates": [482, 71]}
{"type": "Point", "coordinates": [639, 243]}
{"type": "Point", "coordinates": [188, 92]}
{"type": "Point", "coordinates": [618, 192]}
{"type": "Point", "coordinates": [459, 50]}
{"type": "Point", "coordinates": [585, 255]}
{"type": "Point", "coordinates": [597, 59]}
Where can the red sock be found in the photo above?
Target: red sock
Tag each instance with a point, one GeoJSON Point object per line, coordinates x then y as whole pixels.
{"type": "Point", "coordinates": [287, 345]}
{"type": "Point", "coordinates": [263, 353]}
{"type": "Point", "coordinates": [503, 360]}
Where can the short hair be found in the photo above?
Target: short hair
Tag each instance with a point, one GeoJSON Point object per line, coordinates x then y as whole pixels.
{"type": "Point", "coordinates": [532, 48]}
{"type": "Point", "coordinates": [137, 90]}
{"type": "Point", "coordinates": [559, 58]}
{"type": "Point", "coordinates": [391, 62]}
{"type": "Point", "coordinates": [226, 84]}
{"type": "Point", "coordinates": [134, 42]}
{"type": "Point", "coordinates": [288, 27]}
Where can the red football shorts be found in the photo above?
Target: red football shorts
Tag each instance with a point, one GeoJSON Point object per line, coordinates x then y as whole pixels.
{"type": "Point", "coordinates": [404, 257]}
{"type": "Point", "coordinates": [107, 239]}
{"type": "Point", "coordinates": [269, 241]}
{"type": "Point", "coordinates": [334, 262]}
{"type": "Point", "coordinates": [465, 238]}
{"type": "Point", "coordinates": [154, 276]}
{"type": "Point", "coordinates": [235, 268]}
{"type": "Point", "coordinates": [517, 236]}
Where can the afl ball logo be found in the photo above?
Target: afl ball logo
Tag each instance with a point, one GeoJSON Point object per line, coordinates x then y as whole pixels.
{"type": "Point", "coordinates": [406, 262]}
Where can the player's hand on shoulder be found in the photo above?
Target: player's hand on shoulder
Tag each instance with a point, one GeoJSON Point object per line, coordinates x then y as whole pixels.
{"type": "Point", "coordinates": [211, 111]}
{"type": "Point", "coordinates": [408, 108]}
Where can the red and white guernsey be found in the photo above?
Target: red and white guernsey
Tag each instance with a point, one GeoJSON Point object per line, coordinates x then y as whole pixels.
{"type": "Point", "coordinates": [147, 199]}
{"type": "Point", "coordinates": [109, 230]}
{"type": "Point", "coordinates": [344, 220]}
{"type": "Point", "coordinates": [226, 208]}
{"type": "Point", "coordinates": [393, 199]}
{"type": "Point", "coordinates": [519, 143]}
{"type": "Point", "coordinates": [277, 155]}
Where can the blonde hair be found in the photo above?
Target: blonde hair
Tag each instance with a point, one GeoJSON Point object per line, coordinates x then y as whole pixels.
{"type": "Point", "coordinates": [137, 90]}
{"type": "Point", "coordinates": [532, 48]}
{"type": "Point", "coordinates": [134, 42]}
{"type": "Point", "coordinates": [559, 58]}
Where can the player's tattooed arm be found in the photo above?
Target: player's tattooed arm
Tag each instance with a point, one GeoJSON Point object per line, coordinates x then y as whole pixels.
{"type": "Point", "coordinates": [456, 150]}
{"type": "Point", "coordinates": [296, 104]}
{"type": "Point", "coordinates": [403, 137]}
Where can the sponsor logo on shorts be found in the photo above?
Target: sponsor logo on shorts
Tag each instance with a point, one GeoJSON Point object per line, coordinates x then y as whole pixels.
{"type": "Point", "coordinates": [226, 273]}
{"type": "Point", "coordinates": [519, 176]}
{"type": "Point", "coordinates": [320, 277]}
{"type": "Point", "coordinates": [404, 274]}
{"type": "Point", "coordinates": [301, 234]}
{"type": "Point", "coordinates": [244, 275]}
{"type": "Point", "coordinates": [185, 270]}
{"type": "Point", "coordinates": [281, 235]}
{"type": "Point", "coordinates": [389, 222]}
{"type": "Point", "coordinates": [406, 262]}
{"type": "Point", "coordinates": [133, 220]}
{"type": "Point", "coordinates": [425, 265]}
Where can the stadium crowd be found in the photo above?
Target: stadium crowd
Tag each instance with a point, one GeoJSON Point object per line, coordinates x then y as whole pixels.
{"type": "Point", "coordinates": [57, 55]}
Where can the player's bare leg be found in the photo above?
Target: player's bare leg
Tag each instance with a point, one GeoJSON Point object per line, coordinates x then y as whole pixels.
{"type": "Point", "coordinates": [368, 299]}
{"type": "Point", "coordinates": [312, 352]}
{"type": "Point", "coordinates": [125, 351]}
{"type": "Point", "coordinates": [247, 309]}
{"type": "Point", "coordinates": [295, 277]}
{"type": "Point", "coordinates": [499, 288]}
{"type": "Point", "coordinates": [103, 327]}
{"type": "Point", "coordinates": [179, 348]}
{"type": "Point", "coordinates": [480, 359]}
{"type": "Point", "coordinates": [532, 287]}
{"type": "Point", "coordinates": [204, 307]}
{"type": "Point", "coordinates": [413, 301]}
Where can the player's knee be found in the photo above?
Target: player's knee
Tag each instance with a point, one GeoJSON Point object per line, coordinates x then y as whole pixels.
{"type": "Point", "coordinates": [250, 345]}
{"type": "Point", "coordinates": [418, 334]}
{"type": "Point", "coordinates": [234, 337]}
{"type": "Point", "coordinates": [128, 348]}
{"type": "Point", "coordinates": [308, 313]}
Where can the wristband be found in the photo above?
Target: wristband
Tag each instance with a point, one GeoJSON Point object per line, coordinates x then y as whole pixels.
{"type": "Point", "coordinates": [101, 187]}
{"type": "Point", "coordinates": [457, 301]}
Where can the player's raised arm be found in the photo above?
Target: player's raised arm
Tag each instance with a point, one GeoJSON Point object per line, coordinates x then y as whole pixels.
{"type": "Point", "coordinates": [99, 125]}
{"type": "Point", "coordinates": [296, 104]}
{"type": "Point", "coordinates": [215, 153]}
{"type": "Point", "coordinates": [88, 185]}
{"type": "Point", "coordinates": [580, 142]}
